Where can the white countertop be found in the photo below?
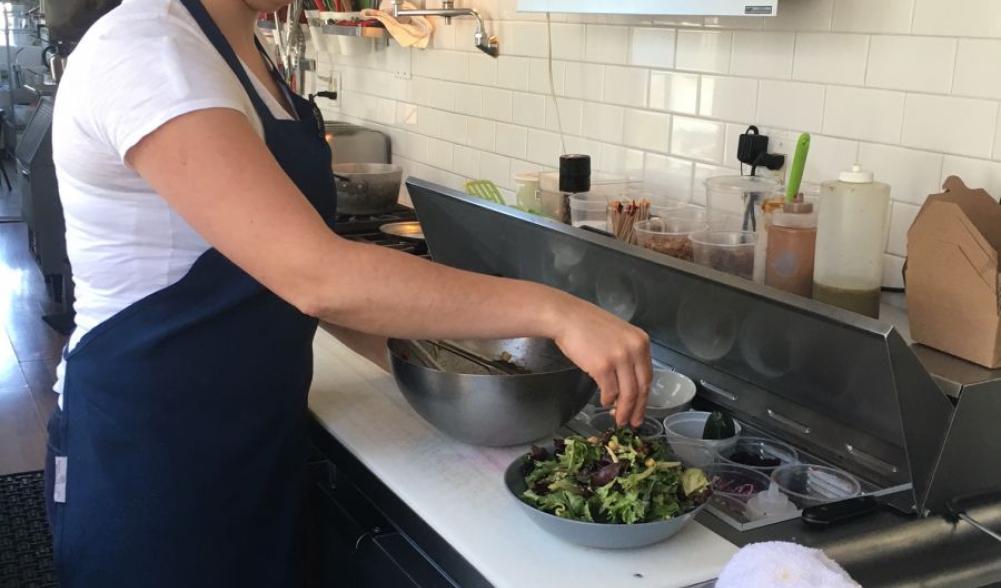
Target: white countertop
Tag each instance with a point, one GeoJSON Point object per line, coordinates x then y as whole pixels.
{"type": "Point", "coordinates": [459, 491]}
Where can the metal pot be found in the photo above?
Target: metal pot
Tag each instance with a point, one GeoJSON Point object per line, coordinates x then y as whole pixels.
{"type": "Point", "coordinates": [367, 188]}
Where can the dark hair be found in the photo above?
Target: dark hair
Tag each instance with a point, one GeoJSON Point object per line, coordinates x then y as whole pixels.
{"type": "Point", "coordinates": [68, 20]}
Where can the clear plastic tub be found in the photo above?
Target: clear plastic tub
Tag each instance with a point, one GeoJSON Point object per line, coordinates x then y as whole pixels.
{"type": "Point", "coordinates": [590, 210]}
{"type": "Point", "coordinates": [731, 252]}
{"type": "Point", "coordinates": [733, 487]}
{"type": "Point", "coordinates": [604, 420]}
{"type": "Point", "coordinates": [665, 208]}
{"type": "Point", "coordinates": [555, 205]}
{"type": "Point", "coordinates": [527, 194]}
{"type": "Point", "coordinates": [715, 220]}
{"type": "Point", "coordinates": [760, 454]}
{"type": "Point", "coordinates": [741, 196]}
{"type": "Point", "coordinates": [736, 482]}
{"type": "Point", "coordinates": [668, 236]}
{"type": "Point", "coordinates": [692, 453]}
{"type": "Point", "coordinates": [809, 485]}
{"type": "Point", "coordinates": [688, 427]}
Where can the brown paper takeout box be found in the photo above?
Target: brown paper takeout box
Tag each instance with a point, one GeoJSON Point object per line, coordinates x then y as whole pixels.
{"type": "Point", "coordinates": [953, 298]}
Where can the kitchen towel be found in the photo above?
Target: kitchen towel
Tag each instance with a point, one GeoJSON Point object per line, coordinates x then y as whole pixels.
{"type": "Point", "coordinates": [414, 31]}
{"type": "Point", "coordinates": [782, 565]}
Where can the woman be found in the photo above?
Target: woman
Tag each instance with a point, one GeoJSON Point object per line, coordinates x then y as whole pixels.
{"type": "Point", "coordinates": [194, 186]}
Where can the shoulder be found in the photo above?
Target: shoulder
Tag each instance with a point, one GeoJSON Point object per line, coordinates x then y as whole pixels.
{"type": "Point", "coordinates": [146, 44]}
{"type": "Point", "coordinates": [144, 34]}
{"type": "Point", "coordinates": [141, 20]}
{"type": "Point", "coordinates": [140, 65]}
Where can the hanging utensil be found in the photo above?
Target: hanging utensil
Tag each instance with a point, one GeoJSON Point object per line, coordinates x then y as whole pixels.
{"type": "Point", "coordinates": [296, 46]}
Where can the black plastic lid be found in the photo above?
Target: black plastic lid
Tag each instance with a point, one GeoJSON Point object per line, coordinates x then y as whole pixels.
{"type": "Point", "coordinates": [575, 173]}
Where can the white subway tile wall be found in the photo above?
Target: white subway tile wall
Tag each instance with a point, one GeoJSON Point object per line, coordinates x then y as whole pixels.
{"type": "Point", "coordinates": [728, 98]}
{"type": "Point", "coordinates": [762, 54]}
{"type": "Point", "coordinates": [831, 58]}
{"type": "Point", "coordinates": [922, 64]}
{"type": "Point", "coordinates": [908, 88]}
{"type": "Point", "coordinates": [674, 92]}
{"type": "Point", "coordinates": [704, 51]}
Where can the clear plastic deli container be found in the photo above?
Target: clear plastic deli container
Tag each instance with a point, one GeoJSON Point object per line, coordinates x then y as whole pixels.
{"type": "Point", "coordinates": [527, 194]}
{"type": "Point", "coordinates": [589, 209]}
{"type": "Point", "coordinates": [715, 220]}
{"type": "Point", "coordinates": [731, 252]}
{"type": "Point", "coordinates": [809, 485]}
{"type": "Point", "coordinates": [688, 426]}
{"type": "Point", "coordinates": [760, 454]}
{"type": "Point", "coordinates": [740, 196]}
{"type": "Point", "coordinates": [668, 236]}
{"type": "Point", "coordinates": [556, 204]}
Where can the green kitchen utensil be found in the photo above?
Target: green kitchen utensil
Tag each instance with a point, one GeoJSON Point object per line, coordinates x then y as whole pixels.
{"type": "Point", "coordinates": [798, 163]}
{"type": "Point", "coordinates": [486, 190]}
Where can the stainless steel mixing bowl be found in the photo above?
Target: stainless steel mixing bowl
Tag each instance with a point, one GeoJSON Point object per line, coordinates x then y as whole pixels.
{"type": "Point", "coordinates": [494, 410]}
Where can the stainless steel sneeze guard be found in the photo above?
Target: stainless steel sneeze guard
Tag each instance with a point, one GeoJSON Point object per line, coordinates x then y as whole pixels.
{"type": "Point", "coordinates": [844, 387]}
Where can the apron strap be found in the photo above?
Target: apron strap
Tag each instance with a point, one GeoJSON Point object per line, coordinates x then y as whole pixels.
{"type": "Point", "coordinates": [218, 40]}
{"type": "Point", "coordinates": [282, 84]}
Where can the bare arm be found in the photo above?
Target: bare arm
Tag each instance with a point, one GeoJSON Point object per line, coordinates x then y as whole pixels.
{"type": "Point", "coordinates": [371, 347]}
{"type": "Point", "coordinates": [217, 173]}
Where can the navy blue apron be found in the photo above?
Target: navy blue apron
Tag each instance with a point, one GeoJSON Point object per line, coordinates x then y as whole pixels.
{"type": "Point", "coordinates": [183, 423]}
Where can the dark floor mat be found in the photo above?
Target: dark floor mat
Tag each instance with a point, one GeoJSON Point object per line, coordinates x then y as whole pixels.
{"type": "Point", "coordinates": [25, 543]}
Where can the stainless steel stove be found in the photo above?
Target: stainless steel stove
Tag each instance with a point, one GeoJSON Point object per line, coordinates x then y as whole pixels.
{"type": "Point", "coordinates": [365, 229]}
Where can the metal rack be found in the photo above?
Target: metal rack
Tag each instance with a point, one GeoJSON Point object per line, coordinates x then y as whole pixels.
{"type": "Point", "coordinates": [356, 31]}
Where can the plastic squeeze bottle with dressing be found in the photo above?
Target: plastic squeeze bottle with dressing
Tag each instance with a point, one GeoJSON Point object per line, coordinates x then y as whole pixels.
{"type": "Point", "coordinates": [851, 237]}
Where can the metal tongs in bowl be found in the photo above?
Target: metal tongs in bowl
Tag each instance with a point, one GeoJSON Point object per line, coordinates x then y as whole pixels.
{"type": "Point", "coordinates": [431, 358]}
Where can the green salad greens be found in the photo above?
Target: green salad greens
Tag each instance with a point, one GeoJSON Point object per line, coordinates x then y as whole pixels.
{"type": "Point", "coordinates": [615, 478]}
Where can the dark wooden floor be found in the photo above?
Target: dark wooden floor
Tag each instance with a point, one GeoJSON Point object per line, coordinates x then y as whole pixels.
{"type": "Point", "coordinates": [29, 353]}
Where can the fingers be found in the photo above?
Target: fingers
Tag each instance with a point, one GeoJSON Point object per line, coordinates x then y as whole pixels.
{"type": "Point", "coordinates": [643, 367]}
{"type": "Point", "coordinates": [643, 377]}
{"type": "Point", "coordinates": [628, 394]}
{"type": "Point", "coordinates": [609, 385]}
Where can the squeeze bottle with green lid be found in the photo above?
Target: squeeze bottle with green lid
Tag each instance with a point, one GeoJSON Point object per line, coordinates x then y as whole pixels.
{"type": "Point", "coordinates": [792, 238]}
{"type": "Point", "coordinates": [851, 238]}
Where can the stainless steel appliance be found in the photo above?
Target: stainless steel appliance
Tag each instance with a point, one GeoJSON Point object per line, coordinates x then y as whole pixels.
{"type": "Point", "coordinates": [352, 143]}
{"type": "Point", "coordinates": [365, 229]}
{"type": "Point", "coordinates": [56, 62]}
{"type": "Point", "coordinates": [40, 207]}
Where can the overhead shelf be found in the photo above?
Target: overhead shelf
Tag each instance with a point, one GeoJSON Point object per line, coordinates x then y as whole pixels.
{"type": "Point", "coordinates": [355, 31]}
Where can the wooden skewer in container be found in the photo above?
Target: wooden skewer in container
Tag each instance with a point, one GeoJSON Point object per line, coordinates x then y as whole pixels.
{"type": "Point", "coordinates": [623, 215]}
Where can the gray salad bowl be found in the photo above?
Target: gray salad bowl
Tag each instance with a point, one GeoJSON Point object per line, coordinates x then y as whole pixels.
{"type": "Point", "coordinates": [596, 535]}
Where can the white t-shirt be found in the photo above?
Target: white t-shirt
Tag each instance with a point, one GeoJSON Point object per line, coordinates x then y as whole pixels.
{"type": "Point", "coordinates": [141, 65]}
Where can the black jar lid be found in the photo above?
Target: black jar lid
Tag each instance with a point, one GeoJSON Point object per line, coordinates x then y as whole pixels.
{"type": "Point", "coordinates": [575, 173]}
